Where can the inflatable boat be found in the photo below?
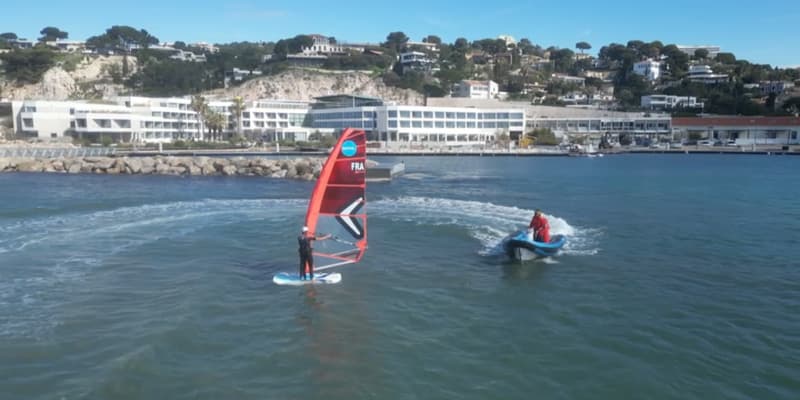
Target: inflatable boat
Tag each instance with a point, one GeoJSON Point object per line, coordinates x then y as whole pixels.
{"type": "Point", "coordinates": [520, 247]}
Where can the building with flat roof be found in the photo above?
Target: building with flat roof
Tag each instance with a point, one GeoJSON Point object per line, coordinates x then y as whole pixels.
{"type": "Point", "coordinates": [741, 130]}
{"type": "Point", "coordinates": [690, 50]}
{"type": "Point", "coordinates": [476, 89]}
{"type": "Point", "coordinates": [704, 74]}
{"type": "Point", "coordinates": [666, 102]}
{"type": "Point", "coordinates": [401, 125]}
{"type": "Point", "coordinates": [650, 69]}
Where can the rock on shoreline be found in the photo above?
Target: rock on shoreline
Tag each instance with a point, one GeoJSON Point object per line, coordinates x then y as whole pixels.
{"type": "Point", "coordinates": [301, 168]}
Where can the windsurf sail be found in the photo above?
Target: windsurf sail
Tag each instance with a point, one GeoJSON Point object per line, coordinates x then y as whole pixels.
{"type": "Point", "coordinates": [338, 203]}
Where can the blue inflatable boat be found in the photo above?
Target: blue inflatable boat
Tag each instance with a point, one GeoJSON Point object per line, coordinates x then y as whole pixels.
{"type": "Point", "coordinates": [519, 247]}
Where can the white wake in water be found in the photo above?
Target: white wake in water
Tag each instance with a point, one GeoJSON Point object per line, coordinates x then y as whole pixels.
{"type": "Point", "coordinates": [489, 223]}
{"type": "Point", "coordinates": [61, 251]}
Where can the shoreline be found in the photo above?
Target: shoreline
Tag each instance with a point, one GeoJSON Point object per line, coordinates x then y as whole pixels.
{"type": "Point", "coordinates": [307, 169]}
{"type": "Point", "coordinates": [451, 153]}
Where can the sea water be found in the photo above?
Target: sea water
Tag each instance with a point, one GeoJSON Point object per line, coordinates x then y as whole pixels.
{"type": "Point", "coordinates": [680, 279]}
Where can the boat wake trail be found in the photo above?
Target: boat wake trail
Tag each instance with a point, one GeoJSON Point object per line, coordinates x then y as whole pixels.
{"type": "Point", "coordinates": [489, 223]}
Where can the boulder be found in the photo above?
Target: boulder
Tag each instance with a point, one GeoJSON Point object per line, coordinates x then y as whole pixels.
{"type": "Point", "coordinates": [229, 170]}
{"type": "Point", "coordinates": [134, 165]}
{"type": "Point", "coordinates": [29, 166]}
{"type": "Point", "coordinates": [74, 167]}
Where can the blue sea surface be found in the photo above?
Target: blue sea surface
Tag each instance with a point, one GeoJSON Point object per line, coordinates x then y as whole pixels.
{"type": "Point", "coordinates": [680, 279]}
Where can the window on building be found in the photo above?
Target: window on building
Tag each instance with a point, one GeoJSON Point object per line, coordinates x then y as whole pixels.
{"type": "Point", "coordinates": [405, 114]}
{"type": "Point", "coordinates": [450, 115]}
{"type": "Point", "coordinates": [392, 113]}
{"type": "Point", "coordinates": [428, 114]}
{"type": "Point", "coordinates": [450, 124]}
{"type": "Point", "coordinates": [428, 124]}
{"type": "Point", "coordinates": [461, 115]}
{"type": "Point", "coordinates": [416, 114]}
{"type": "Point", "coordinates": [440, 124]}
{"type": "Point", "coordinates": [405, 124]}
{"type": "Point", "coordinates": [471, 115]}
{"type": "Point", "coordinates": [416, 124]}
{"type": "Point", "coordinates": [439, 114]}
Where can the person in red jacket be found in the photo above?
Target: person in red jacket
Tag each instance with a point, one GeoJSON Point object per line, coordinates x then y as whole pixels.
{"type": "Point", "coordinates": [541, 227]}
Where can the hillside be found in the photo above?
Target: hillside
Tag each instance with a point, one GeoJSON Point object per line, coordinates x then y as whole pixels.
{"type": "Point", "coordinates": [92, 78]}
{"type": "Point", "coordinates": [88, 78]}
{"type": "Point", "coordinates": [305, 84]}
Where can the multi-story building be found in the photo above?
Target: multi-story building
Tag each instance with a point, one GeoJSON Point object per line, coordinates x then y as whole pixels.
{"type": "Point", "coordinates": [690, 50]}
{"type": "Point", "coordinates": [704, 74]}
{"type": "Point", "coordinates": [650, 69]}
{"type": "Point", "coordinates": [665, 102]}
{"type": "Point", "coordinates": [416, 60]}
{"type": "Point", "coordinates": [127, 119]}
{"type": "Point", "coordinates": [476, 89]}
{"type": "Point", "coordinates": [741, 131]}
{"type": "Point", "coordinates": [418, 125]}
{"type": "Point", "coordinates": [774, 87]}
{"type": "Point", "coordinates": [275, 120]}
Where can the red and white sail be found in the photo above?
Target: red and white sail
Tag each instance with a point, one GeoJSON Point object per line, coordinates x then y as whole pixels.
{"type": "Point", "coordinates": [338, 203]}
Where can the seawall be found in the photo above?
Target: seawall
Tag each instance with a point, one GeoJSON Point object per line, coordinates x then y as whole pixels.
{"type": "Point", "coordinates": [300, 168]}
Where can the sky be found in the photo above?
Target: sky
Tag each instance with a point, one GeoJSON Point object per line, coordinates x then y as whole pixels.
{"type": "Point", "coordinates": [762, 32]}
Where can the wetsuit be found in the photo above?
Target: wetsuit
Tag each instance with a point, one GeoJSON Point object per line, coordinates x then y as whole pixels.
{"type": "Point", "coordinates": [306, 257]}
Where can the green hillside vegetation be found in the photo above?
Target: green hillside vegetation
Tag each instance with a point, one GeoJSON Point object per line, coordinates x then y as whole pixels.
{"type": "Point", "coordinates": [524, 70]}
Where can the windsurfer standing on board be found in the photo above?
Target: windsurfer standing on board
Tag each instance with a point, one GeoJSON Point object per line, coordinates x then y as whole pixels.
{"type": "Point", "coordinates": [305, 250]}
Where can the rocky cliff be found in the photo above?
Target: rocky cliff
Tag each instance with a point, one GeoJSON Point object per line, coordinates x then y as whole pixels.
{"type": "Point", "coordinates": [305, 84]}
{"type": "Point", "coordinates": [92, 79]}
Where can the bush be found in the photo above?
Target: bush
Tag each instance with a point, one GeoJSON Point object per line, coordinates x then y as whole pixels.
{"type": "Point", "coordinates": [545, 137]}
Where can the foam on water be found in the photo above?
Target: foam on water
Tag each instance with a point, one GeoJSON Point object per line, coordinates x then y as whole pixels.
{"type": "Point", "coordinates": [51, 241]}
{"type": "Point", "coordinates": [488, 223]}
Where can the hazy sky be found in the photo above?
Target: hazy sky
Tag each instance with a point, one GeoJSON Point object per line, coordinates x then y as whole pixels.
{"type": "Point", "coordinates": [761, 32]}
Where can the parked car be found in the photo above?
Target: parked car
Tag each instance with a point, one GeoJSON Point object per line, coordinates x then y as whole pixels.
{"type": "Point", "coordinates": [704, 143]}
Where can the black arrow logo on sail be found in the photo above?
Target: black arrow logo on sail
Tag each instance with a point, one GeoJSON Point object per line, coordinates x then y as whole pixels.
{"type": "Point", "coordinates": [350, 223]}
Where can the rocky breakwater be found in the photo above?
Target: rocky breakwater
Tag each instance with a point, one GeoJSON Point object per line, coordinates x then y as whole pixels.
{"type": "Point", "coordinates": [302, 169]}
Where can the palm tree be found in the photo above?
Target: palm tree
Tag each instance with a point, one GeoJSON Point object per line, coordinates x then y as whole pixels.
{"type": "Point", "coordinates": [216, 122]}
{"type": "Point", "coordinates": [237, 108]}
{"type": "Point", "coordinates": [200, 106]}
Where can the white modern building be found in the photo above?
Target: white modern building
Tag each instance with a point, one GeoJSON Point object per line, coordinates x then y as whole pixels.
{"type": "Point", "coordinates": [126, 119]}
{"type": "Point", "coordinates": [276, 120]}
{"type": "Point", "coordinates": [476, 89]}
{"type": "Point", "coordinates": [704, 74]}
{"type": "Point", "coordinates": [323, 45]}
{"type": "Point", "coordinates": [416, 60]}
{"type": "Point", "coordinates": [690, 50]}
{"type": "Point", "coordinates": [742, 131]}
{"type": "Point", "coordinates": [666, 102]}
{"type": "Point", "coordinates": [649, 69]}
{"type": "Point", "coordinates": [420, 126]}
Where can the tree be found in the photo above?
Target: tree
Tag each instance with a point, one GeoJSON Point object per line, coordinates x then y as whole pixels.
{"type": "Point", "coordinates": [121, 37]}
{"type": "Point", "coordinates": [396, 41]}
{"type": "Point", "coordinates": [700, 54]}
{"type": "Point", "coordinates": [562, 59]}
{"type": "Point", "coordinates": [726, 58]}
{"type": "Point", "coordinates": [236, 109]}
{"type": "Point", "coordinates": [8, 36]}
{"type": "Point", "coordinates": [216, 124]}
{"type": "Point", "coordinates": [582, 46]}
{"type": "Point", "coordinates": [28, 65]}
{"type": "Point", "coordinates": [461, 44]}
{"type": "Point", "coordinates": [200, 107]}
{"type": "Point", "coordinates": [432, 39]}
{"type": "Point", "coordinates": [50, 34]}
{"type": "Point", "coordinates": [792, 106]}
